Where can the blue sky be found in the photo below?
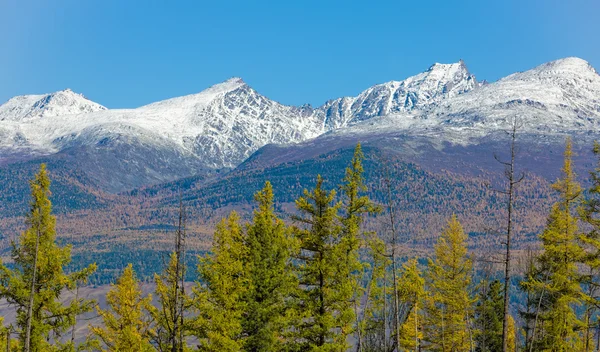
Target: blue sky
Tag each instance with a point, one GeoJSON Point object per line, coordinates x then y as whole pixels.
{"type": "Point", "coordinates": [123, 53]}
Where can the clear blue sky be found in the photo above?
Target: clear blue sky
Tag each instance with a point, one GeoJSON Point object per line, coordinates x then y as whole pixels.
{"type": "Point", "coordinates": [124, 53]}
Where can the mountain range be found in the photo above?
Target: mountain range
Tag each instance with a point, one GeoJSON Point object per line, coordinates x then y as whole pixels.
{"type": "Point", "coordinates": [223, 125]}
{"type": "Point", "coordinates": [119, 174]}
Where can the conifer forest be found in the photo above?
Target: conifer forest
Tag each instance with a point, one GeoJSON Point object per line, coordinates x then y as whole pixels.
{"type": "Point", "coordinates": [320, 279]}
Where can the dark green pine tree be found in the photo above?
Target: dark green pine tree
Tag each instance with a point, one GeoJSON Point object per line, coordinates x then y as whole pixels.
{"type": "Point", "coordinates": [488, 317]}
{"type": "Point", "coordinates": [321, 326]}
{"type": "Point", "coordinates": [218, 296]}
{"type": "Point", "coordinates": [355, 206]}
{"type": "Point", "coordinates": [37, 281]}
{"type": "Point", "coordinates": [329, 268]}
{"type": "Point", "coordinates": [271, 280]}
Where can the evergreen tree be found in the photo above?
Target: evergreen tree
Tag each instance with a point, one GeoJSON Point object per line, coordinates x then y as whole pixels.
{"type": "Point", "coordinates": [488, 317]}
{"type": "Point", "coordinates": [38, 279]}
{"type": "Point", "coordinates": [532, 301]}
{"type": "Point", "coordinates": [322, 326]}
{"type": "Point", "coordinates": [270, 277]}
{"type": "Point", "coordinates": [590, 214]}
{"type": "Point", "coordinates": [373, 320]}
{"type": "Point", "coordinates": [448, 307]}
{"type": "Point", "coordinates": [330, 269]}
{"type": "Point", "coordinates": [169, 329]}
{"type": "Point", "coordinates": [125, 327]}
{"type": "Point", "coordinates": [218, 297]}
{"type": "Point", "coordinates": [411, 292]}
{"type": "Point", "coordinates": [243, 300]}
{"type": "Point", "coordinates": [556, 278]}
{"type": "Point", "coordinates": [355, 205]}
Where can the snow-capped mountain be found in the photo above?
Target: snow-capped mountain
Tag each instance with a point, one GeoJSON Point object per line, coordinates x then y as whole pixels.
{"type": "Point", "coordinates": [559, 97]}
{"type": "Point", "coordinates": [227, 122]}
{"type": "Point", "coordinates": [438, 83]}
{"type": "Point", "coordinates": [65, 102]}
{"type": "Point", "coordinates": [223, 125]}
{"type": "Point", "coordinates": [562, 95]}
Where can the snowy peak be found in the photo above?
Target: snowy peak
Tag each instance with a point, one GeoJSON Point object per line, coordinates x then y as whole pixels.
{"type": "Point", "coordinates": [449, 70]}
{"type": "Point", "coordinates": [448, 76]}
{"type": "Point", "coordinates": [569, 64]}
{"type": "Point", "coordinates": [61, 103]}
{"type": "Point", "coordinates": [441, 81]}
{"type": "Point", "coordinates": [555, 97]}
{"type": "Point", "coordinates": [224, 124]}
{"type": "Point", "coordinates": [420, 92]}
{"type": "Point", "coordinates": [227, 86]}
{"type": "Point", "coordinates": [203, 98]}
{"type": "Point", "coordinates": [567, 68]}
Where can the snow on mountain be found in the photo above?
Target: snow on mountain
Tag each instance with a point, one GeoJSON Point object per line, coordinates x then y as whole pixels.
{"type": "Point", "coordinates": [438, 83]}
{"type": "Point", "coordinates": [227, 122]}
{"type": "Point", "coordinates": [558, 97]}
{"type": "Point", "coordinates": [224, 124]}
{"type": "Point", "coordinates": [221, 126]}
{"type": "Point", "coordinates": [64, 102]}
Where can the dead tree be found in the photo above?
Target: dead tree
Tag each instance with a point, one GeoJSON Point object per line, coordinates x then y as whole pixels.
{"type": "Point", "coordinates": [512, 182]}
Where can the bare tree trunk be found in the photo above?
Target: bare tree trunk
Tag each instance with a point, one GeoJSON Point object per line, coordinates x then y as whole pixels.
{"type": "Point", "coordinates": [358, 328]}
{"type": "Point", "coordinates": [177, 309]}
{"type": "Point", "coordinates": [392, 214]}
{"type": "Point", "coordinates": [385, 340]}
{"type": "Point", "coordinates": [27, 346]}
{"type": "Point", "coordinates": [537, 314]}
{"type": "Point", "coordinates": [512, 183]}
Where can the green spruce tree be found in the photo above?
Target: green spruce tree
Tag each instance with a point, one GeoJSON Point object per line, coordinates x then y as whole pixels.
{"type": "Point", "coordinates": [556, 280]}
{"type": "Point", "coordinates": [270, 277]}
{"type": "Point", "coordinates": [322, 327]}
{"type": "Point", "coordinates": [590, 239]}
{"type": "Point", "coordinates": [329, 268]}
{"type": "Point", "coordinates": [448, 308]}
{"type": "Point", "coordinates": [355, 206]}
{"type": "Point", "coordinates": [246, 282]}
{"type": "Point", "coordinates": [224, 282]}
{"type": "Point", "coordinates": [36, 282]}
{"type": "Point", "coordinates": [489, 316]}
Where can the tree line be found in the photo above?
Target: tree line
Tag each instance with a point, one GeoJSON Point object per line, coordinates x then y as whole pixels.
{"type": "Point", "coordinates": [320, 282]}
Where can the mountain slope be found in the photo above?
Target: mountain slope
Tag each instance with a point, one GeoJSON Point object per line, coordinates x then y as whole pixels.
{"type": "Point", "coordinates": [214, 129]}
{"type": "Point", "coordinates": [220, 126]}
{"type": "Point", "coordinates": [438, 83]}
{"type": "Point", "coordinates": [223, 125]}
{"type": "Point", "coordinates": [65, 102]}
{"type": "Point", "coordinates": [557, 98]}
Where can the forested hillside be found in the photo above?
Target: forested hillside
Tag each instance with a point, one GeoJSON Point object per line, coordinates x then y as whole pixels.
{"type": "Point", "coordinates": [337, 268]}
